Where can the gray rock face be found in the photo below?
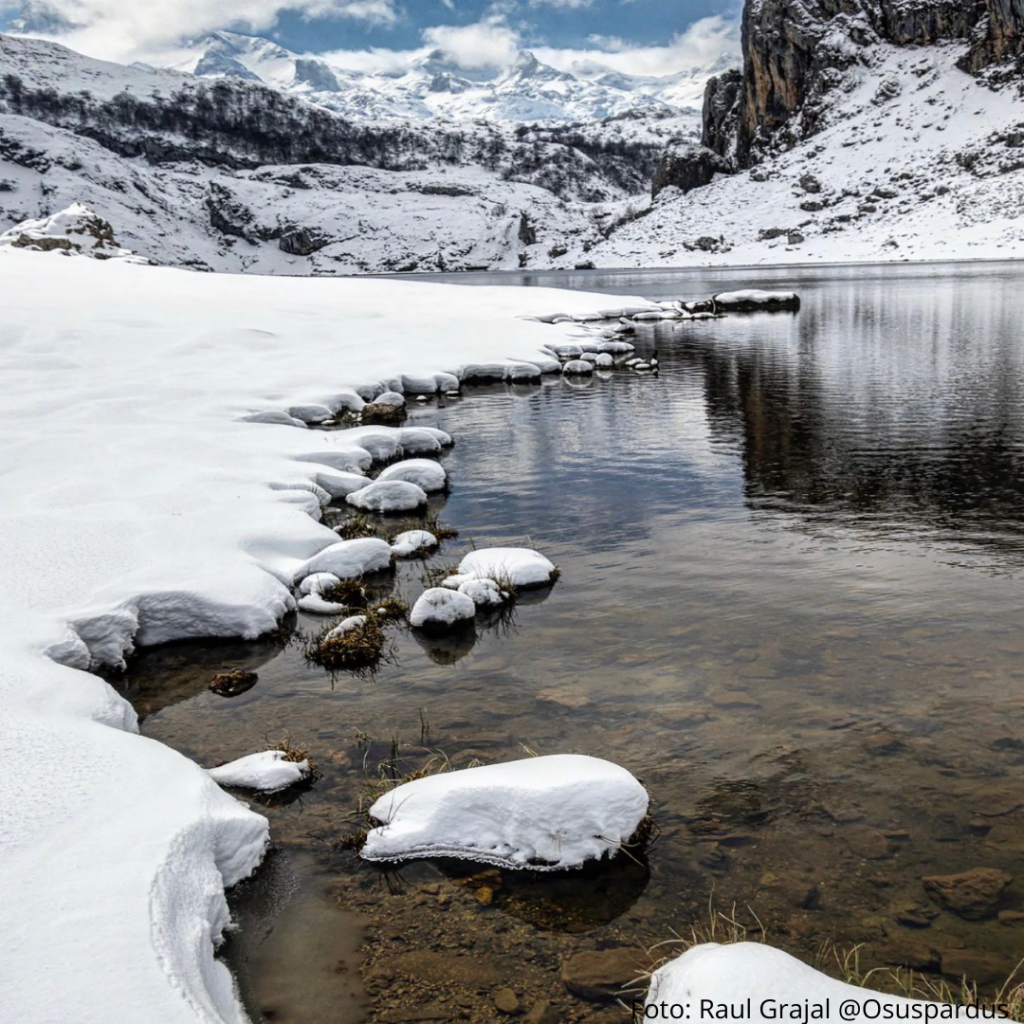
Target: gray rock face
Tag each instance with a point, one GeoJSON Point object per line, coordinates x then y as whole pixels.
{"type": "Point", "coordinates": [686, 166]}
{"type": "Point", "coordinates": [721, 114]}
{"type": "Point", "coordinates": [789, 66]}
{"type": "Point", "coordinates": [1002, 34]}
{"type": "Point", "coordinates": [302, 241]}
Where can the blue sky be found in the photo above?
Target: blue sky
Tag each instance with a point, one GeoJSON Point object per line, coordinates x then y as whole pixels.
{"type": "Point", "coordinates": [553, 23]}
{"type": "Point", "coordinates": [645, 36]}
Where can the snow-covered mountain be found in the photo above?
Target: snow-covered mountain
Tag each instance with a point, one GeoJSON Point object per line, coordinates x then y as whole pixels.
{"type": "Point", "coordinates": [432, 86]}
{"type": "Point", "coordinates": [856, 130]}
{"type": "Point", "coordinates": [232, 174]}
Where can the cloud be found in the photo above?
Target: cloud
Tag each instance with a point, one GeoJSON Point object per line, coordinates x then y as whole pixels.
{"type": "Point", "coordinates": [128, 29]}
{"type": "Point", "coordinates": [566, 5]}
{"type": "Point", "coordinates": [489, 43]}
{"type": "Point", "coordinates": [703, 44]}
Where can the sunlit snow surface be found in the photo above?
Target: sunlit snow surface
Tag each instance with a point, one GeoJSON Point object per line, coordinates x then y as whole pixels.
{"type": "Point", "coordinates": [139, 505]}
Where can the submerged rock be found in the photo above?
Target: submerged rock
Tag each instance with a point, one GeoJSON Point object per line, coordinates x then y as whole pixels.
{"type": "Point", "coordinates": [600, 975]}
{"type": "Point", "coordinates": [542, 813]}
{"type": "Point", "coordinates": [233, 682]}
{"type": "Point", "coordinates": [973, 894]}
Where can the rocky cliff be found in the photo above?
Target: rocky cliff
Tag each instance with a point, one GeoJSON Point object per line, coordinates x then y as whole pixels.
{"type": "Point", "coordinates": [796, 54]}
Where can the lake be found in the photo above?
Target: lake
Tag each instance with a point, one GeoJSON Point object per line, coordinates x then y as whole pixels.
{"type": "Point", "coordinates": [790, 603]}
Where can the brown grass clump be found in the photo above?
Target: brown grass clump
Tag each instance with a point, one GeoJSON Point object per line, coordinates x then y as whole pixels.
{"type": "Point", "coordinates": [361, 647]}
{"type": "Point", "coordinates": [350, 593]}
{"type": "Point", "coordinates": [391, 609]}
{"type": "Point", "coordinates": [355, 527]}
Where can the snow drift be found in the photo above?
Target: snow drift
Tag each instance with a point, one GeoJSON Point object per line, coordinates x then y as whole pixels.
{"type": "Point", "coordinates": [150, 509]}
{"type": "Point", "coordinates": [767, 977]}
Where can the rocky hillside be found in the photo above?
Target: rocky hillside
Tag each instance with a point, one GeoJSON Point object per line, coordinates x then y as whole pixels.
{"type": "Point", "coordinates": [855, 130]}
{"type": "Point", "coordinates": [231, 174]}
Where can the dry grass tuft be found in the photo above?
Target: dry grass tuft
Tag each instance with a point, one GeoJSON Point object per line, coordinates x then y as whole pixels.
{"type": "Point", "coordinates": [361, 647]}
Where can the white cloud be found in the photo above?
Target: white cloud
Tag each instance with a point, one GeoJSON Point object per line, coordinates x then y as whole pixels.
{"type": "Point", "coordinates": [492, 42]}
{"type": "Point", "coordinates": [489, 43]}
{"type": "Point", "coordinates": [570, 5]}
{"type": "Point", "coordinates": [129, 29]}
{"type": "Point", "coordinates": [701, 45]}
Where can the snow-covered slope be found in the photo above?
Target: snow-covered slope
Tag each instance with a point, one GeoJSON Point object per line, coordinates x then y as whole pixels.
{"type": "Point", "coordinates": [233, 175]}
{"type": "Point", "coordinates": [912, 158]}
{"type": "Point", "coordinates": [434, 86]}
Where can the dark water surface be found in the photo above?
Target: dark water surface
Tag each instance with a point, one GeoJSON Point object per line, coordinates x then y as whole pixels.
{"type": "Point", "coordinates": [790, 603]}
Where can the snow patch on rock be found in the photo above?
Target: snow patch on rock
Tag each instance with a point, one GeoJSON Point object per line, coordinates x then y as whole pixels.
{"type": "Point", "coordinates": [542, 813]}
{"type": "Point", "coordinates": [267, 771]}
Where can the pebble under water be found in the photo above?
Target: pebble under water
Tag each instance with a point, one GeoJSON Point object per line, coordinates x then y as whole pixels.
{"type": "Point", "coordinates": [790, 604]}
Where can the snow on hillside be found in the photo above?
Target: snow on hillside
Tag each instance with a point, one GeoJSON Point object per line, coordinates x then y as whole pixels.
{"type": "Point", "coordinates": [918, 160]}
{"type": "Point", "coordinates": [189, 172]}
{"type": "Point", "coordinates": [150, 509]}
{"type": "Point", "coordinates": [434, 86]}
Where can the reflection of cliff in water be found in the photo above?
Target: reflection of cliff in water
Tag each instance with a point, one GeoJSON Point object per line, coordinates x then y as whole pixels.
{"type": "Point", "coordinates": [882, 403]}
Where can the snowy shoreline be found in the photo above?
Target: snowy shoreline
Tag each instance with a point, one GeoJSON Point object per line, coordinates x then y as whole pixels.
{"type": "Point", "coordinates": [140, 507]}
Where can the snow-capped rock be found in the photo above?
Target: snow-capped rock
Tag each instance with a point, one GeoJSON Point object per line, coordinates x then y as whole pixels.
{"type": "Point", "coordinates": [541, 813]}
{"type": "Point", "coordinates": [413, 542]}
{"type": "Point", "coordinates": [519, 567]}
{"type": "Point", "coordinates": [267, 771]}
{"type": "Point", "coordinates": [76, 231]}
{"type": "Point", "coordinates": [768, 977]}
{"type": "Point", "coordinates": [438, 610]}
{"type": "Point", "coordinates": [349, 558]}
{"type": "Point", "coordinates": [387, 496]}
{"type": "Point", "coordinates": [425, 473]}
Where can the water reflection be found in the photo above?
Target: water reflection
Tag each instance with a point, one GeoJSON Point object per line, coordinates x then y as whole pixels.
{"type": "Point", "coordinates": [790, 602]}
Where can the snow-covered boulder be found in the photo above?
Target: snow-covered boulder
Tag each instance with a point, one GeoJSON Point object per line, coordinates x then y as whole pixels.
{"type": "Point", "coordinates": [438, 610]}
{"type": "Point", "coordinates": [349, 558]}
{"type": "Point", "coordinates": [318, 583]}
{"type": "Point", "coordinates": [75, 231]}
{"type": "Point", "coordinates": [419, 441]}
{"type": "Point", "coordinates": [413, 542]}
{"type": "Point", "coordinates": [345, 460]}
{"type": "Point", "coordinates": [604, 361]}
{"type": "Point", "coordinates": [767, 977]}
{"type": "Point", "coordinates": [483, 373]}
{"type": "Point", "coordinates": [751, 299]}
{"type": "Point", "coordinates": [418, 385]}
{"type": "Point", "coordinates": [381, 442]}
{"type": "Point", "coordinates": [392, 398]}
{"type": "Point", "coordinates": [277, 417]}
{"type": "Point", "coordinates": [386, 496]}
{"type": "Point", "coordinates": [519, 567]}
{"type": "Point", "coordinates": [578, 368]}
{"type": "Point", "coordinates": [338, 484]}
{"type": "Point", "coordinates": [541, 813]}
{"type": "Point", "coordinates": [311, 413]}
{"type": "Point", "coordinates": [523, 373]}
{"type": "Point", "coordinates": [267, 771]}
{"type": "Point", "coordinates": [424, 473]}
{"type": "Point", "coordinates": [484, 593]}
